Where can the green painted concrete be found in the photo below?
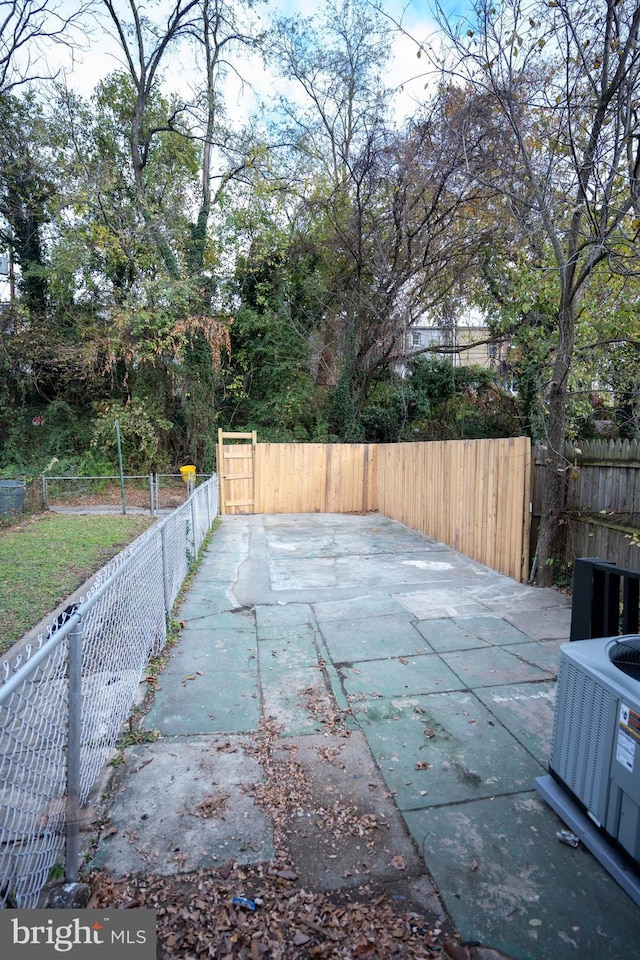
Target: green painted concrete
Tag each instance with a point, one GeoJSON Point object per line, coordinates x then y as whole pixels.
{"type": "Point", "coordinates": [509, 882]}
{"type": "Point", "coordinates": [494, 630]}
{"type": "Point", "coordinates": [212, 601]}
{"type": "Point", "coordinates": [444, 667]}
{"type": "Point", "coordinates": [444, 748]}
{"type": "Point", "coordinates": [369, 607]}
{"type": "Point", "coordinates": [444, 634]}
{"type": "Point", "coordinates": [526, 711]}
{"type": "Point", "coordinates": [279, 617]}
{"type": "Point", "coordinates": [491, 666]}
{"type": "Point", "coordinates": [210, 683]}
{"type": "Point", "coordinates": [349, 641]}
{"type": "Point", "coordinates": [399, 676]}
{"type": "Point", "coordinates": [544, 654]}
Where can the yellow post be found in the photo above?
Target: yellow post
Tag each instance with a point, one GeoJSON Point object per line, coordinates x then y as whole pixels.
{"type": "Point", "coordinates": [188, 474]}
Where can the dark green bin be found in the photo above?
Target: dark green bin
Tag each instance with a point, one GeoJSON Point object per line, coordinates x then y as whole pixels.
{"type": "Point", "coordinates": [11, 498]}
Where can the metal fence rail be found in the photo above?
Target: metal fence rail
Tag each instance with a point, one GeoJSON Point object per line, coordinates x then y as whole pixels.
{"type": "Point", "coordinates": [63, 703]}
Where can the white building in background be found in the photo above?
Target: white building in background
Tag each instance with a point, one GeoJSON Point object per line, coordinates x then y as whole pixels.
{"type": "Point", "coordinates": [463, 345]}
{"type": "Point", "coordinates": [467, 342]}
{"type": "Point", "coordinates": [5, 278]}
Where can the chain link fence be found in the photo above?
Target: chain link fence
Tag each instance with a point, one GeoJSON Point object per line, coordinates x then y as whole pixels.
{"type": "Point", "coordinates": [64, 700]}
{"type": "Point", "coordinates": [153, 493]}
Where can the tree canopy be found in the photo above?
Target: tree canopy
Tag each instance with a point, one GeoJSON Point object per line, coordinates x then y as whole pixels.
{"type": "Point", "coordinates": [185, 263]}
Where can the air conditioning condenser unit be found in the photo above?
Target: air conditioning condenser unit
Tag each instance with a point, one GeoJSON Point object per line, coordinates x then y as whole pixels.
{"type": "Point", "coordinates": [595, 743]}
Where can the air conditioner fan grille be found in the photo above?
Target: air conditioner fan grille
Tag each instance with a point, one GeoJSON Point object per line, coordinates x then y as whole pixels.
{"type": "Point", "coordinates": [625, 654]}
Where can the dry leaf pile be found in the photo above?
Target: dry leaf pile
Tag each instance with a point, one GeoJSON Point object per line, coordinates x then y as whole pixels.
{"type": "Point", "coordinates": [196, 918]}
{"type": "Point", "coordinates": [324, 711]}
{"type": "Point", "coordinates": [286, 794]}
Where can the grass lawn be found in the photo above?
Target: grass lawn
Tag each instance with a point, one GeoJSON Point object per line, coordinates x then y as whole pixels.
{"type": "Point", "coordinates": [47, 557]}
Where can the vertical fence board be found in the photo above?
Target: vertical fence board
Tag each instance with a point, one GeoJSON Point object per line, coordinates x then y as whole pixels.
{"type": "Point", "coordinates": [236, 462]}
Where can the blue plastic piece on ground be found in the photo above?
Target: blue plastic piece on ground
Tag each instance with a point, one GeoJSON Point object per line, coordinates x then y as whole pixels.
{"type": "Point", "coordinates": [243, 902]}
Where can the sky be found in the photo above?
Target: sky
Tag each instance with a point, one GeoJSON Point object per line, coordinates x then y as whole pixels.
{"type": "Point", "coordinates": [405, 72]}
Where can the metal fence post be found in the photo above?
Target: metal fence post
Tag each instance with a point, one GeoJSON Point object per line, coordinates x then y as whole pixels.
{"type": "Point", "coordinates": [209, 520]}
{"type": "Point", "coordinates": [151, 512]}
{"type": "Point", "coordinates": [193, 527]}
{"type": "Point", "coordinates": [165, 571]}
{"type": "Point", "coordinates": [74, 734]}
{"type": "Point", "coordinates": [44, 491]}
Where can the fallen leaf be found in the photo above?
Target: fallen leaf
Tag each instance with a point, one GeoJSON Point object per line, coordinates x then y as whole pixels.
{"type": "Point", "coordinates": [474, 864]}
{"type": "Point", "coordinates": [455, 950]}
{"type": "Point", "coordinates": [141, 765]}
{"type": "Point", "coordinates": [398, 862]}
{"type": "Point", "coordinates": [210, 804]}
{"type": "Point", "coordinates": [365, 950]}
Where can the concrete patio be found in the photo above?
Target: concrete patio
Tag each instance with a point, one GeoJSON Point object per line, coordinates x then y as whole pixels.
{"type": "Point", "coordinates": [442, 673]}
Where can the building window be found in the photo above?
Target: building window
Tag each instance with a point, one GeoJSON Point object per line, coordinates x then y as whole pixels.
{"type": "Point", "coordinates": [415, 339]}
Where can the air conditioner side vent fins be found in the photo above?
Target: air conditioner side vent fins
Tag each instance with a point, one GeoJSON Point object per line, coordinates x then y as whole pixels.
{"type": "Point", "coordinates": [581, 728]}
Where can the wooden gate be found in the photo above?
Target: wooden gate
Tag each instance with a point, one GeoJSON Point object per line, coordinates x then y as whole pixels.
{"type": "Point", "coordinates": [236, 469]}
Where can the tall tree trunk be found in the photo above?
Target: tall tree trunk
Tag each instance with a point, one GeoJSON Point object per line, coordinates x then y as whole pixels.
{"type": "Point", "coordinates": [138, 162]}
{"type": "Point", "coordinates": [199, 228]}
{"type": "Point", "coordinates": [553, 497]}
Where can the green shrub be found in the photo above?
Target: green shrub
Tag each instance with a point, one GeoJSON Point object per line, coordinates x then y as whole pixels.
{"type": "Point", "coordinates": [141, 432]}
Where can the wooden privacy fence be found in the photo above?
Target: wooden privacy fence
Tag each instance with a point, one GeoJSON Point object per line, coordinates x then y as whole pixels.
{"type": "Point", "coordinates": [470, 494]}
{"type": "Point", "coordinates": [603, 476]}
{"type": "Point", "coordinates": [316, 477]}
{"type": "Point", "coordinates": [602, 500]}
